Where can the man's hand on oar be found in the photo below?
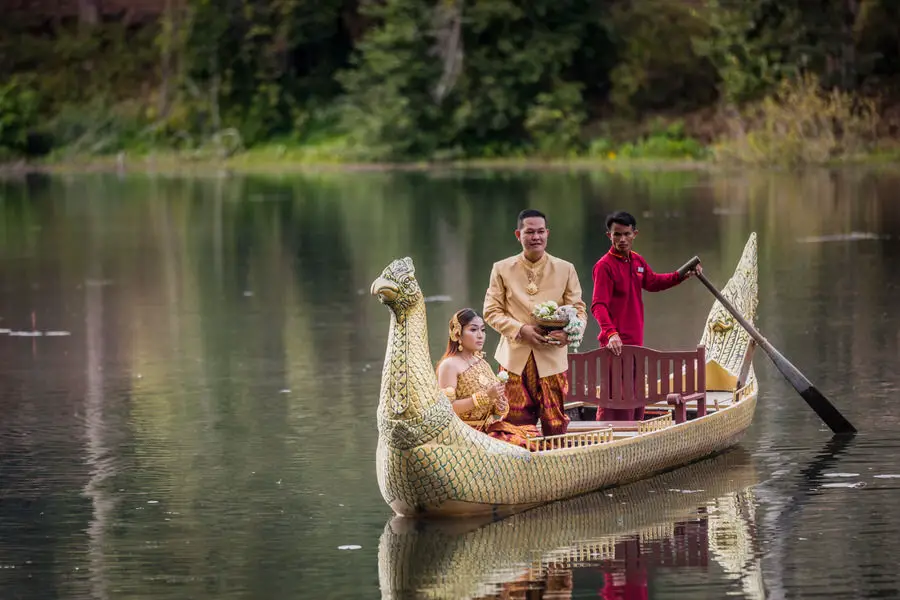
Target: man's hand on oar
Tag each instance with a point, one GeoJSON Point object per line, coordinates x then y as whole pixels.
{"type": "Point", "coordinates": [690, 268]}
{"type": "Point", "coordinates": [695, 270]}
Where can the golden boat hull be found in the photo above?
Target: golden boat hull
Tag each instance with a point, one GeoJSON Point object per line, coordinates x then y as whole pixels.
{"type": "Point", "coordinates": [430, 463]}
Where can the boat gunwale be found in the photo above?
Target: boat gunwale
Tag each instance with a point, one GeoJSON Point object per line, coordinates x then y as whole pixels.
{"type": "Point", "coordinates": [739, 396]}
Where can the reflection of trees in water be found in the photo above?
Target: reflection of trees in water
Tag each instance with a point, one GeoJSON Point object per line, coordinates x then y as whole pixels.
{"type": "Point", "coordinates": [60, 442]}
{"type": "Point", "coordinates": [211, 364]}
{"type": "Point", "coordinates": [207, 413]}
{"type": "Point", "coordinates": [102, 459]}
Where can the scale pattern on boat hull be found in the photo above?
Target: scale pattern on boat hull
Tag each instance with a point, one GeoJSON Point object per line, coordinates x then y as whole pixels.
{"type": "Point", "coordinates": [454, 475]}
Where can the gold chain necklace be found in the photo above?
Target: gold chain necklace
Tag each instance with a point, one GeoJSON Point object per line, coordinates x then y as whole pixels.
{"type": "Point", "coordinates": [533, 274]}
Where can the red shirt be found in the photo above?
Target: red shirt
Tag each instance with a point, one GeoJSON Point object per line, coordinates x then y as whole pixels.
{"type": "Point", "coordinates": [618, 304]}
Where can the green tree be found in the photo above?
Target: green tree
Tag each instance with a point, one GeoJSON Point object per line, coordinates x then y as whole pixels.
{"type": "Point", "coordinates": [877, 33]}
{"type": "Point", "coordinates": [515, 87]}
{"type": "Point", "coordinates": [256, 64]}
{"type": "Point", "coordinates": [390, 108]}
{"type": "Point", "coordinates": [752, 43]}
{"type": "Point", "coordinates": [18, 116]}
{"type": "Point", "coordinates": [657, 66]}
{"type": "Point", "coordinates": [460, 77]}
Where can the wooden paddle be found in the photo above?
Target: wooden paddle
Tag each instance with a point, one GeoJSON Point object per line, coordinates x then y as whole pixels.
{"type": "Point", "coordinates": [819, 403]}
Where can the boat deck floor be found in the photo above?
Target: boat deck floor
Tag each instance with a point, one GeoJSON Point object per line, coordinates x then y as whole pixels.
{"type": "Point", "coordinates": [624, 429]}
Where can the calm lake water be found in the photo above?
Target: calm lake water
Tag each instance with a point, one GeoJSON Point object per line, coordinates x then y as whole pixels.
{"type": "Point", "coordinates": [203, 423]}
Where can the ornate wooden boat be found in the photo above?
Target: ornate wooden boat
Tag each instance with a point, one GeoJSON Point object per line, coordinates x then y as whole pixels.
{"type": "Point", "coordinates": [430, 463]}
{"type": "Point", "coordinates": [700, 515]}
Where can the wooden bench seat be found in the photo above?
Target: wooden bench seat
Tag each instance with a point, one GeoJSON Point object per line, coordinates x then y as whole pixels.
{"type": "Point", "coordinates": [639, 377]}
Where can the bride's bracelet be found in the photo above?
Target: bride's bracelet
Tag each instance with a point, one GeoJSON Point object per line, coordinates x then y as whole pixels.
{"type": "Point", "coordinates": [480, 399]}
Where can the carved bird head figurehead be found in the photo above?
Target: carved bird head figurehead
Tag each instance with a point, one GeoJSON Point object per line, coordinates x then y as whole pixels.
{"type": "Point", "coordinates": [397, 286]}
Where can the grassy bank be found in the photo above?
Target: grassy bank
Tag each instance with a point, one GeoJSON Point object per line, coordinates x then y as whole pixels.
{"type": "Point", "coordinates": [800, 124]}
{"type": "Point", "coordinates": [270, 160]}
{"type": "Point", "coordinates": [283, 158]}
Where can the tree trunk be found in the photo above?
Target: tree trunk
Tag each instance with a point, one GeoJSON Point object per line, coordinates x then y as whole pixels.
{"type": "Point", "coordinates": [169, 28]}
{"type": "Point", "coordinates": [848, 46]}
{"type": "Point", "coordinates": [448, 46]}
{"type": "Point", "coordinates": [88, 13]}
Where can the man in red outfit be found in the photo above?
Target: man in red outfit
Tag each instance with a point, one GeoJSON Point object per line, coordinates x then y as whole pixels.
{"type": "Point", "coordinates": [618, 305]}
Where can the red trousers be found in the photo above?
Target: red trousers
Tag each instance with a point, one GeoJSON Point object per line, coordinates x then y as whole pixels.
{"type": "Point", "coordinates": [532, 397]}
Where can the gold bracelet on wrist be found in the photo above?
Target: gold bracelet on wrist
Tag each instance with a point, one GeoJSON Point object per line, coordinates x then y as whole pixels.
{"type": "Point", "coordinates": [478, 399]}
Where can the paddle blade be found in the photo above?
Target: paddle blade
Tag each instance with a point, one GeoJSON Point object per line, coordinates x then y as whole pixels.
{"type": "Point", "coordinates": [827, 412]}
{"type": "Point", "coordinates": [817, 401]}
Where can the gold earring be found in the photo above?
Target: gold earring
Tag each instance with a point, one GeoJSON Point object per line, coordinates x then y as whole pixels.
{"type": "Point", "coordinates": [459, 347]}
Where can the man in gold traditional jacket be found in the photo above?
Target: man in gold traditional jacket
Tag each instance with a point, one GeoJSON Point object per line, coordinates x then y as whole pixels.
{"type": "Point", "coordinates": [536, 362]}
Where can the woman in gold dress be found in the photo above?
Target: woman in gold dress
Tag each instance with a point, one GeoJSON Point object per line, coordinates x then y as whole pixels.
{"type": "Point", "coordinates": [471, 385]}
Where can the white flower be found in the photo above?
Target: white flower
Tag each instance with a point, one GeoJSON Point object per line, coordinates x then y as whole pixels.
{"type": "Point", "coordinates": [503, 376]}
{"type": "Point", "coordinates": [546, 310]}
{"type": "Point", "coordinates": [568, 311]}
{"type": "Point", "coordinates": [551, 311]}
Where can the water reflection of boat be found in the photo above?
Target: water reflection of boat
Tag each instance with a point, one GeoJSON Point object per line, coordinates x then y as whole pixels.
{"type": "Point", "coordinates": [431, 463]}
{"type": "Point", "coordinates": [680, 518]}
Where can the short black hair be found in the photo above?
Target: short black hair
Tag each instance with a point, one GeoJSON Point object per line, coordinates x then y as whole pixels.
{"type": "Point", "coordinates": [528, 213]}
{"type": "Point", "coordinates": [622, 218]}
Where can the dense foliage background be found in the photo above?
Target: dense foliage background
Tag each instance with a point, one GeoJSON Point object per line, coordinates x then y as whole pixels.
{"type": "Point", "coordinates": [752, 80]}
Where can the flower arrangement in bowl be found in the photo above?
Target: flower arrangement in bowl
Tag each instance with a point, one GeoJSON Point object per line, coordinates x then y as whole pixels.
{"type": "Point", "coordinates": [552, 317]}
{"type": "Point", "coordinates": [549, 317]}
